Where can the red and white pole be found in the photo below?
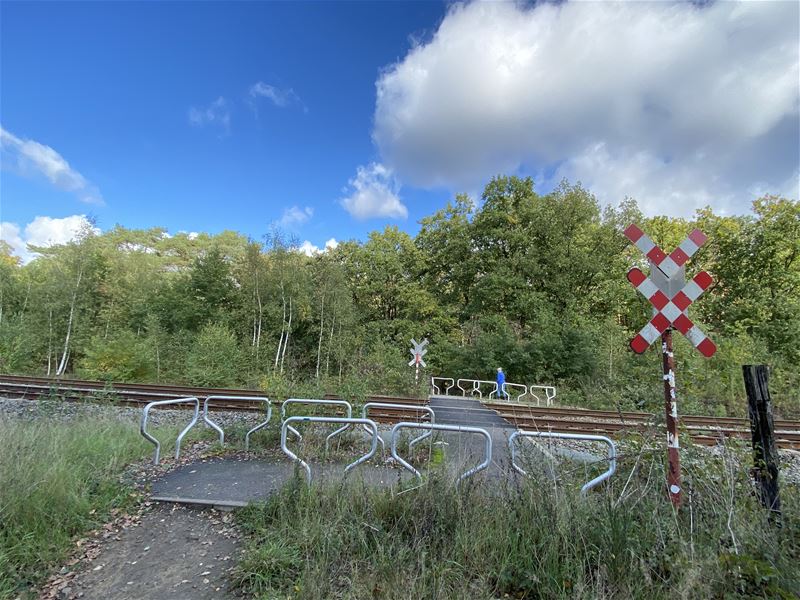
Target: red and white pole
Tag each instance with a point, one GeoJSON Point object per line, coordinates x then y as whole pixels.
{"type": "Point", "coordinates": [671, 408]}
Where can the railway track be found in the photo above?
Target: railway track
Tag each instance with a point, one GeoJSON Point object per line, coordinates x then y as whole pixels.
{"type": "Point", "coordinates": [706, 430]}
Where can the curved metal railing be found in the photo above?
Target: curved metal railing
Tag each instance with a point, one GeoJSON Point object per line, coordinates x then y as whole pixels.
{"type": "Point", "coordinates": [347, 406]}
{"type": "Point", "coordinates": [426, 409]}
{"type": "Point", "coordinates": [612, 452]}
{"type": "Point", "coordinates": [219, 430]}
{"type": "Point", "coordinates": [496, 395]}
{"type": "Point", "coordinates": [437, 381]}
{"type": "Point", "coordinates": [147, 436]}
{"type": "Point", "coordinates": [476, 386]}
{"type": "Point", "coordinates": [286, 427]}
{"type": "Point", "coordinates": [521, 392]}
{"type": "Point", "coordinates": [549, 391]}
{"type": "Point", "coordinates": [438, 427]}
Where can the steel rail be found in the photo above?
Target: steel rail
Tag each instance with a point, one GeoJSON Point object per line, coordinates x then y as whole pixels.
{"type": "Point", "coordinates": [147, 436]}
{"type": "Point", "coordinates": [426, 409]}
{"type": "Point", "coordinates": [312, 401]}
{"type": "Point", "coordinates": [703, 429]}
{"type": "Point", "coordinates": [440, 427]}
{"type": "Point", "coordinates": [219, 429]}
{"type": "Point", "coordinates": [612, 452]}
{"type": "Point", "coordinates": [286, 427]}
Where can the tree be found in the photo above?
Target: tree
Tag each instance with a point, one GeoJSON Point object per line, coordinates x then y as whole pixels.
{"type": "Point", "coordinates": [214, 357]}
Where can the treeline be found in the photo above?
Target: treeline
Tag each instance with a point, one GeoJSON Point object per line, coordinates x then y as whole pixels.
{"type": "Point", "coordinates": [531, 282]}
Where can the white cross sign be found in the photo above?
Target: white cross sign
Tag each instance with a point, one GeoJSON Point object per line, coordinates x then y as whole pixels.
{"type": "Point", "coordinates": [670, 310]}
{"type": "Point", "coordinates": [418, 350]}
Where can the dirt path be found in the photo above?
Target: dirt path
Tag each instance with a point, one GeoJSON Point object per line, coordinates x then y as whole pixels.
{"type": "Point", "coordinates": [172, 553]}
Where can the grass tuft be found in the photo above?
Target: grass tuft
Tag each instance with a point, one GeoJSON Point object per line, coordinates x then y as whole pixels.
{"type": "Point", "coordinates": [540, 539]}
{"type": "Point", "coordinates": [57, 480]}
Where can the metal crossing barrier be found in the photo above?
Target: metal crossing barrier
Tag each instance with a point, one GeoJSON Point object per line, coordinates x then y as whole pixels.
{"type": "Point", "coordinates": [480, 387]}
{"type": "Point", "coordinates": [348, 408]}
{"type": "Point", "coordinates": [549, 391]}
{"type": "Point", "coordinates": [495, 394]}
{"type": "Point", "coordinates": [612, 452]}
{"type": "Point", "coordinates": [475, 386]}
{"type": "Point", "coordinates": [219, 430]}
{"type": "Point", "coordinates": [437, 427]}
{"type": "Point", "coordinates": [425, 409]}
{"type": "Point", "coordinates": [286, 427]}
{"type": "Point", "coordinates": [147, 436]}
{"type": "Point", "coordinates": [437, 381]}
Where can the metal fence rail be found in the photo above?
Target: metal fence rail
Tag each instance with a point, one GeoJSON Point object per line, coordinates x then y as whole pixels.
{"type": "Point", "coordinates": [347, 406]}
{"type": "Point", "coordinates": [437, 381]}
{"type": "Point", "coordinates": [612, 452]}
{"type": "Point", "coordinates": [286, 427]}
{"type": "Point", "coordinates": [437, 427]}
{"type": "Point", "coordinates": [426, 409]}
{"type": "Point", "coordinates": [147, 436]}
{"type": "Point", "coordinates": [549, 391]}
{"type": "Point", "coordinates": [475, 386]}
{"type": "Point", "coordinates": [506, 387]}
{"type": "Point", "coordinates": [219, 430]}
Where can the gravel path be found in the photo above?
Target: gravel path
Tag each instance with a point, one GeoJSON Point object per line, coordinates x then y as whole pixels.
{"type": "Point", "coordinates": [172, 552]}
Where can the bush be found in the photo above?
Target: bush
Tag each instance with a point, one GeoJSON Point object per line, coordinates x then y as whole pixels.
{"type": "Point", "coordinates": [214, 358]}
{"type": "Point", "coordinates": [122, 356]}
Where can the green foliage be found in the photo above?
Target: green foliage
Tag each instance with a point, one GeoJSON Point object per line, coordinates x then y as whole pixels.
{"type": "Point", "coordinates": [433, 541]}
{"type": "Point", "coordinates": [57, 481]}
{"type": "Point", "coordinates": [214, 358]}
{"type": "Point", "coordinates": [122, 356]}
{"type": "Point", "coordinates": [531, 282]}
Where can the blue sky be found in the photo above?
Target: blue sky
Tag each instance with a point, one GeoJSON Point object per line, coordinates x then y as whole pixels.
{"type": "Point", "coordinates": [337, 118]}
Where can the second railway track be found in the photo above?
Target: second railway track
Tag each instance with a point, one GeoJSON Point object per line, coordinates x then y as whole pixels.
{"type": "Point", "coordinates": [707, 430]}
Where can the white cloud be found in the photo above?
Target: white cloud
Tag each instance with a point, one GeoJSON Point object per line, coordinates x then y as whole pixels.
{"type": "Point", "coordinates": [279, 97]}
{"type": "Point", "coordinates": [295, 215]}
{"type": "Point", "coordinates": [43, 231]}
{"type": "Point", "coordinates": [216, 113]}
{"type": "Point", "coordinates": [374, 193]}
{"type": "Point", "coordinates": [32, 157]}
{"type": "Point", "coordinates": [676, 104]}
{"type": "Point", "coordinates": [310, 249]}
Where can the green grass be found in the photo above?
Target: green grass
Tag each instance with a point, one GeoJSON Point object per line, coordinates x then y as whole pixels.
{"type": "Point", "coordinates": [537, 540]}
{"type": "Point", "coordinates": [57, 480]}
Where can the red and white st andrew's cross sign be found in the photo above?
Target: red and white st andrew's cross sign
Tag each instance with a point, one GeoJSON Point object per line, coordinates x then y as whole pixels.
{"type": "Point", "coordinates": [670, 307]}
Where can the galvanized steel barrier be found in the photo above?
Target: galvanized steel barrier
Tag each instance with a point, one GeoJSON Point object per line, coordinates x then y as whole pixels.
{"type": "Point", "coordinates": [441, 380]}
{"type": "Point", "coordinates": [508, 386]}
{"type": "Point", "coordinates": [425, 409]}
{"type": "Point", "coordinates": [475, 386]}
{"type": "Point", "coordinates": [286, 427]}
{"type": "Point", "coordinates": [347, 406]}
{"type": "Point", "coordinates": [219, 430]}
{"type": "Point", "coordinates": [437, 427]}
{"type": "Point", "coordinates": [147, 436]}
{"type": "Point", "coordinates": [612, 452]}
{"type": "Point", "coordinates": [549, 390]}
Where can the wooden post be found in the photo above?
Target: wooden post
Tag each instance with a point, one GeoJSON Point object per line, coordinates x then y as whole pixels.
{"type": "Point", "coordinates": [671, 410]}
{"type": "Point", "coordinates": [765, 452]}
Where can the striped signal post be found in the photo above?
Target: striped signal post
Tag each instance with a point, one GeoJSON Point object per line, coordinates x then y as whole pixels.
{"type": "Point", "coordinates": [670, 296]}
{"type": "Point", "coordinates": [418, 350]}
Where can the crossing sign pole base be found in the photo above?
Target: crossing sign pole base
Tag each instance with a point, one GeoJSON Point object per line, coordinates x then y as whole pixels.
{"type": "Point", "coordinates": [671, 409]}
